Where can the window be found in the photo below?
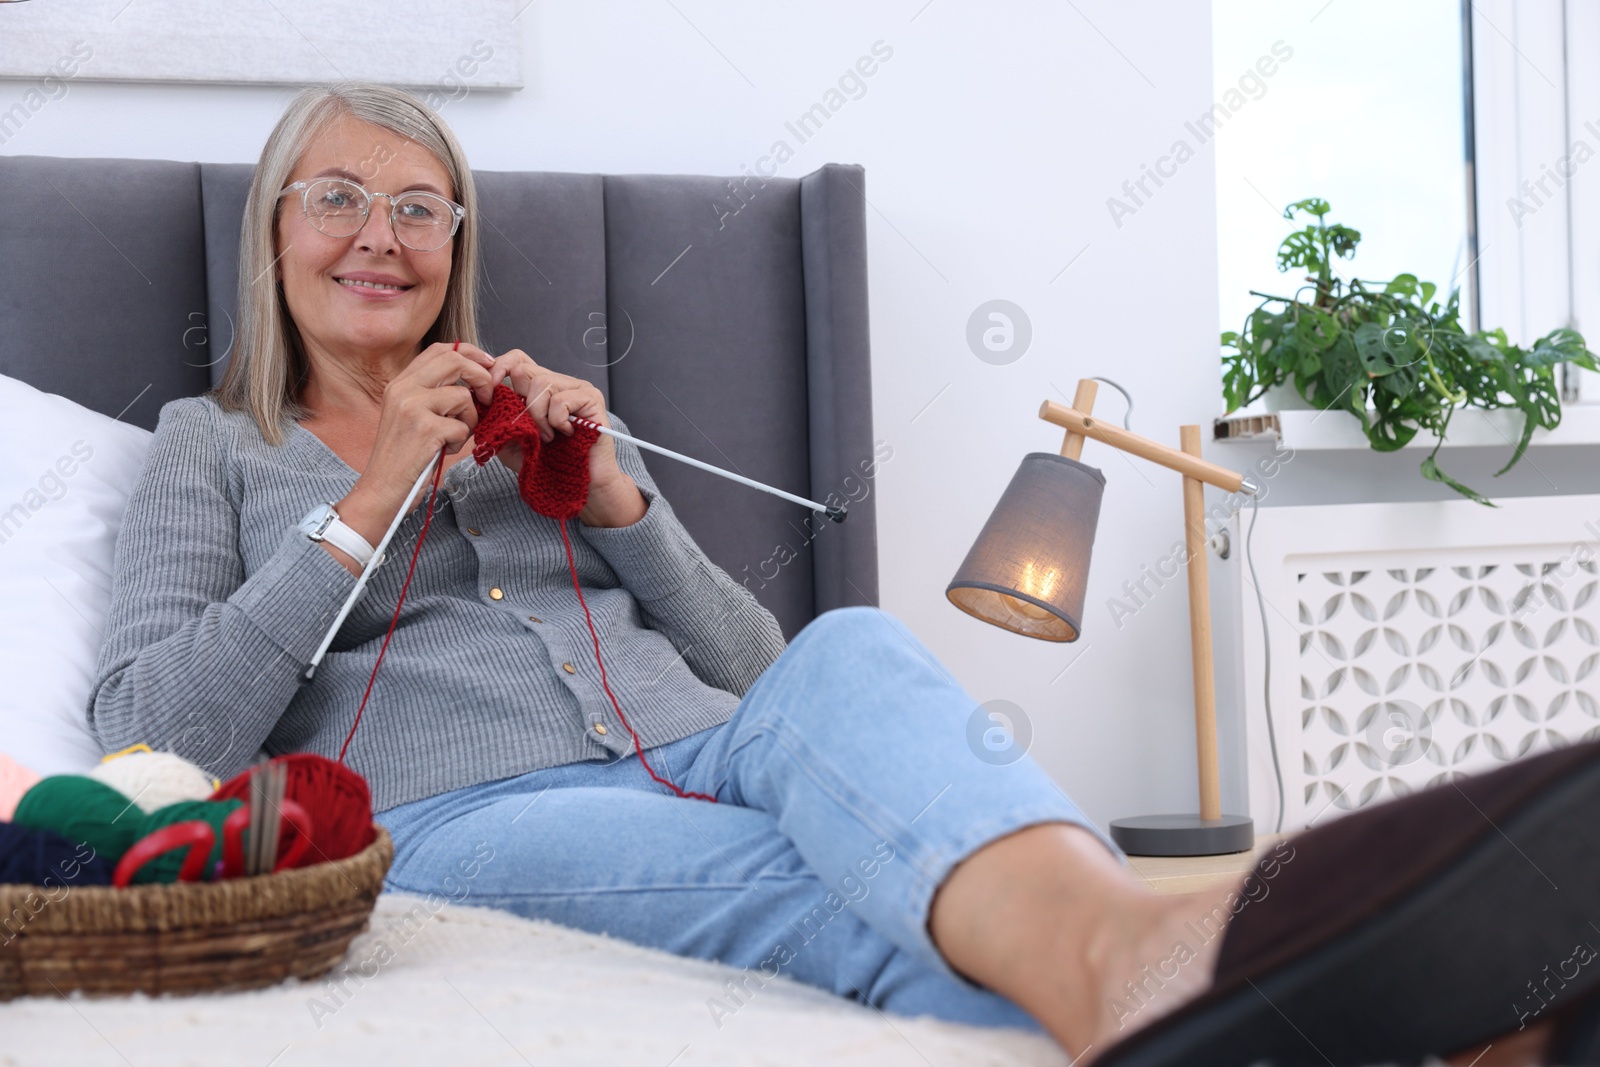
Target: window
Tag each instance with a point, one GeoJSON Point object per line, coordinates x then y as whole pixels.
{"type": "Point", "coordinates": [1365, 110]}
{"type": "Point", "coordinates": [1537, 120]}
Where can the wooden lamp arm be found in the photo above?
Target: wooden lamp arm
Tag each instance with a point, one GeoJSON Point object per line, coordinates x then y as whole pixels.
{"type": "Point", "coordinates": [1080, 425]}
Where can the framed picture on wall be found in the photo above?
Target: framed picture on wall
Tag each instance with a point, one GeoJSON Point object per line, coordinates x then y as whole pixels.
{"type": "Point", "coordinates": [448, 49]}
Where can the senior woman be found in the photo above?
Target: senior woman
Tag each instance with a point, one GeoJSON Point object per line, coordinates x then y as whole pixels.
{"type": "Point", "coordinates": [855, 843]}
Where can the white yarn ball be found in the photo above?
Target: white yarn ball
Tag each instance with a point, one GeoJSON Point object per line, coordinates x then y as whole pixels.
{"type": "Point", "coordinates": [154, 779]}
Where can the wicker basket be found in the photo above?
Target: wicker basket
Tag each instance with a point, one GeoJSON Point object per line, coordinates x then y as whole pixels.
{"type": "Point", "coordinates": [241, 933]}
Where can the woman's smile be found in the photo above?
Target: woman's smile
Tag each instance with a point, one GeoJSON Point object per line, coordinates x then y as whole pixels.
{"type": "Point", "coordinates": [369, 286]}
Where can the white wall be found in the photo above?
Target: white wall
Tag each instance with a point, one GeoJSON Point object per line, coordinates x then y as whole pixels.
{"type": "Point", "coordinates": [992, 140]}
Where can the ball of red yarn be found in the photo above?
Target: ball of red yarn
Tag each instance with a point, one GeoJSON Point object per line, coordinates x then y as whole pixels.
{"type": "Point", "coordinates": [554, 479]}
{"type": "Point", "coordinates": [336, 798]}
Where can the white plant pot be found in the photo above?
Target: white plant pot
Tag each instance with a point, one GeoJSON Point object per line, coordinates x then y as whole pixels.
{"type": "Point", "coordinates": [1285, 398]}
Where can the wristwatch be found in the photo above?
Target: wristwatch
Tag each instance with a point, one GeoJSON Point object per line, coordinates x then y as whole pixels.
{"type": "Point", "coordinates": [322, 523]}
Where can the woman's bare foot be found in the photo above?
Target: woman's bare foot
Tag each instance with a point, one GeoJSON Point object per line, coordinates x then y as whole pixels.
{"type": "Point", "coordinates": [1048, 917]}
{"type": "Point", "coordinates": [1160, 956]}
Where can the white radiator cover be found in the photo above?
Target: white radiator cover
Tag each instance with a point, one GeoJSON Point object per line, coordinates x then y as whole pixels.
{"type": "Point", "coordinates": [1412, 644]}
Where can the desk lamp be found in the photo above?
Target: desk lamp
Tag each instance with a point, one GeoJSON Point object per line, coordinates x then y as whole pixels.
{"type": "Point", "coordinates": [1028, 572]}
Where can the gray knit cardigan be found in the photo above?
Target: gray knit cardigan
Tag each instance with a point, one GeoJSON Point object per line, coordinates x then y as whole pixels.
{"type": "Point", "coordinates": [219, 602]}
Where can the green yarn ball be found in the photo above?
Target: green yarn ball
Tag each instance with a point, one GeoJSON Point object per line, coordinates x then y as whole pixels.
{"type": "Point", "coordinates": [82, 810]}
{"type": "Point", "coordinates": [165, 868]}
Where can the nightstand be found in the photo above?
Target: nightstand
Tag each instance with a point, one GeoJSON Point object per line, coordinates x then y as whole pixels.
{"type": "Point", "coordinates": [1187, 874]}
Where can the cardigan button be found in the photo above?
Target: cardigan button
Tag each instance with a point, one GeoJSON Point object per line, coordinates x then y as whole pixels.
{"type": "Point", "coordinates": [569, 668]}
{"type": "Point", "coordinates": [495, 593]}
{"type": "Point", "coordinates": [534, 618]}
{"type": "Point", "coordinates": [600, 728]}
{"type": "Point", "coordinates": [474, 531]}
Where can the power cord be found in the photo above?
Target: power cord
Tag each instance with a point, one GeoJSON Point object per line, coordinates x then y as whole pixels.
{"type": "Point", "coordinates": [1266, 657]}
{"type": "Point", "coordinates": [1127, 415]}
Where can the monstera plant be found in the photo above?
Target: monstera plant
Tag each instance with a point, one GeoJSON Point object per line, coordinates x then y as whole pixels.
{"type": "Point", "coordinates": [1388, 352]}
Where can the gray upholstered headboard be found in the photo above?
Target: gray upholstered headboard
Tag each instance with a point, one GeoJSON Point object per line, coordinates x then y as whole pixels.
{"type": "Point", "coordinates": [723, 318]}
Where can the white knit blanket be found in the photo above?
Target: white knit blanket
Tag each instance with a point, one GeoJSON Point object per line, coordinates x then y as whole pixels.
{"type": "Point", "coordinates": [468, 985]}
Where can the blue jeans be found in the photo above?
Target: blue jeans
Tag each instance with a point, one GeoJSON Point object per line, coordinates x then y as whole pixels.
{"type": "Point", "coordinates": [855, 774]}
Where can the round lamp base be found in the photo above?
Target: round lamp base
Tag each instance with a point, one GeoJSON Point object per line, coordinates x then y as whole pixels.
{"type": "Point", "coordinates": [1183, 835]}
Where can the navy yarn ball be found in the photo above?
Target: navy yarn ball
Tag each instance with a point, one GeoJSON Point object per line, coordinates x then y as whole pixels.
{"type": "Point", "coordinates": [45, 858]}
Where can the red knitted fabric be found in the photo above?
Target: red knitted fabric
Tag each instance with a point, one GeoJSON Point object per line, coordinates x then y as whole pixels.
{"type": "Point", "coordinates": [554, 480]}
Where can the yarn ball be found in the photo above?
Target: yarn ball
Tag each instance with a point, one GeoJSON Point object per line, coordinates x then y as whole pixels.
{"type": "Point", "coordinates": [83, 810]}
{"type": "Point", "coordinates": [45, 858]}
{"type": "Point", "coordinates": [154, 780]}
{"type": "Point", "coordinates": [165, 868]}
{"type": "Point", "coordinates": [15, 780]}
{"type": "Point", "coordinates": [335, 797]}
{"type": "Point", "coordinates": [554, 478]}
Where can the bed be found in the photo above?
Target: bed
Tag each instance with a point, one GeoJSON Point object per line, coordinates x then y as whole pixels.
{"type": "Point", "coordinates": [724, 318]}
{"type": "Point", "coordinates": [480, 986]}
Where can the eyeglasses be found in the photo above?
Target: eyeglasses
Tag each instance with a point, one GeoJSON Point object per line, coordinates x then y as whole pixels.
{"type": "Point", "coordinates": [339, 207]}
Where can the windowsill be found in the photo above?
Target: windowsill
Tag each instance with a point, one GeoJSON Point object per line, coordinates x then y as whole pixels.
{"type": "Point", "coordinates": [1470, 428]}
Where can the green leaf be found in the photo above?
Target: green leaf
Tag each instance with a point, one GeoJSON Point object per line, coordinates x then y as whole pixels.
{"type": "Point", "coordinates": [1558, 346]}
{"type": "Point", "coordinates": [1403, 382]}
{"type": "Point", "coordinates": [1390, 436]}
{"type": "Point", "coordinates": [1522, 445]}
{"type": "Point", "coordinates": [1480, 349]}
{"type": "Point", "coordinates": [1317, 329]}
{"type": "Point", "coordinates": [1266, 326]}
{"type": "Point", "coordinates": [1543, 408]}
{"type": "Point", "coordinates": [1301, 250]}
{"type": "Point", "coordinates": [1431, 471]}
{"type": "Point", "coordinates": [1341, 371]}
{"type": "Point", "coordinates": [1313, 205]}
{"type": "Point", "coordinates": [1403, 285]}
{"type": "Point", "coordinates": [1343, 240]}
{"type": "Point", "coordinates": [1386, 349]}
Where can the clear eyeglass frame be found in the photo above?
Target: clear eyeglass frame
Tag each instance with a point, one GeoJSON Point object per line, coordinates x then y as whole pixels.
{"type": "Point", "coordinates": [456, 211]}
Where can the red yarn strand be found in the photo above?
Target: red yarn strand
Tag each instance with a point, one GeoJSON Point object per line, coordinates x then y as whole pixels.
{"type": "Point", "coordinates": [415, 552]}
{"type": "Point", "coordinates": [637, 746]}
{"type": "Point", "coordinates": [553, 482]}
{"type": "Point", "coordinates": [398, 603]}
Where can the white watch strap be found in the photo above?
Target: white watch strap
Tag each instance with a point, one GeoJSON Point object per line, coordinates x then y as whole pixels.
{"type": "Point", "coordinates": [347, 540]}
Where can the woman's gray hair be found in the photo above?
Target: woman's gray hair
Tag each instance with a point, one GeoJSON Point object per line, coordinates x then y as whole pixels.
{"type": "Point", "coordinates": [269, 364]}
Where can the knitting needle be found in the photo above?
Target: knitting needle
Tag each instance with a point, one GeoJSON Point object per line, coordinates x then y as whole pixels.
{"type": "Point", "coordinates": [258, 819]}
{"type": "Point", "coordinates": [372, 565]}
{"type": "Point", "coordinates": [277, 779]}
{"type": "Point", "coordinates": [835, 513]}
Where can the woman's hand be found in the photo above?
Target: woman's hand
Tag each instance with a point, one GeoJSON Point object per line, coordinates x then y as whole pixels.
{"type": "Point", "coordinates": [428, 407]}
{"type": "Point", "coordinates": [614, 499]}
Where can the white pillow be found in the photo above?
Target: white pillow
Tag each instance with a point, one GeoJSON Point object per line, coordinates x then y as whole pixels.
{"type": "Point", "coordinates": [65, 476]}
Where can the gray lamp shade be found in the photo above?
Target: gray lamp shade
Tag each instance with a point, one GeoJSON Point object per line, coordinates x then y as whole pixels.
{"type": "Point", "coordinates": [1029, 568]}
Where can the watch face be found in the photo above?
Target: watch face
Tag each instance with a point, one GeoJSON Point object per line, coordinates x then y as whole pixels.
{"type": "Point", "coordinates": [316, 520]}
